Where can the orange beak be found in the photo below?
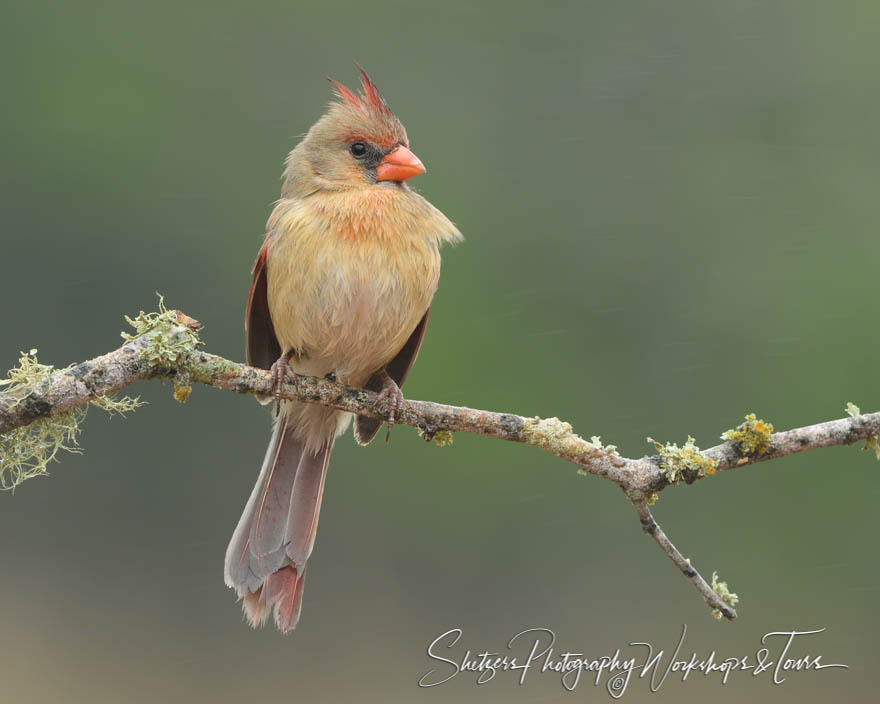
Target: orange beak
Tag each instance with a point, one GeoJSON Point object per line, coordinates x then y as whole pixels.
{"type": "Point", "coordinates": [399, 165]}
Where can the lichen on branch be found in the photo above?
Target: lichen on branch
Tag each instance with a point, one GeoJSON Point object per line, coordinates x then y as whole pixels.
{"type": "Point", "coordinates": [871, 442]}
{"type": "Point", "coordinates": [727, 596]}
{"type": "Point", "coordinates": [753, 437]}
{"type": "Point", "coordinates": [26, 451]}
{"type": "Point", "coordinates": [676, 462]}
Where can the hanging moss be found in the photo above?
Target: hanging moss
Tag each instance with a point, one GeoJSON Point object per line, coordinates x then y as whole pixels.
{"type": "Point", "coordinates": [26, 452]}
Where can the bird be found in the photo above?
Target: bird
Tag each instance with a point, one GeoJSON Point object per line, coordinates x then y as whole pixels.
{"type": "Point", "coordinates": [342, 285]}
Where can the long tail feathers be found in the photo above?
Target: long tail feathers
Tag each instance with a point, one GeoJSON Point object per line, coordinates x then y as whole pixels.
{"type": "Point", "coordinates": [266, 558]}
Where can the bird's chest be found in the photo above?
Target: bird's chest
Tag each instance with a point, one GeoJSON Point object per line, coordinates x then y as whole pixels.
{"type": "Point", "coordinates": [348, 305]}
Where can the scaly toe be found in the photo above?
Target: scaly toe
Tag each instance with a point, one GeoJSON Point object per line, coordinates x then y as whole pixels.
{"type": "Point", "coordinates": [281, 372]}
{"type": "Point", "coordinates": [392, 394]}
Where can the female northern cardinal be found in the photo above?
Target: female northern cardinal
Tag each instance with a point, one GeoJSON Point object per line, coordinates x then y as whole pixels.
{"type": "Point", "coordinates": [343, 283]}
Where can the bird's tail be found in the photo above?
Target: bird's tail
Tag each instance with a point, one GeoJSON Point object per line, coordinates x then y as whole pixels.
{"type": "Point", "coordinates": [266, 558]}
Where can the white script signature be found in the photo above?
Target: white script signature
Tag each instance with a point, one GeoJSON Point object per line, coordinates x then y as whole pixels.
{"type": "Point", "coordinates": [534, 650]}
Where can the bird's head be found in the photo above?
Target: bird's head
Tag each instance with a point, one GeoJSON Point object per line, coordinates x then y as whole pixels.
{"type": "Point", "coordinates": [357, 143]}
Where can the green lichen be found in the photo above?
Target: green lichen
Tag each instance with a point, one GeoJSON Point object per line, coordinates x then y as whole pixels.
{"type": "Point", "coordinates": [441, 438]}
{"type": "Point", "coordinates": [727, 596]}
{"type": "Point", "coordinates": [206, 368]}
{"type": "Point", "coordinates": [652, 499]}
{"type": "Point", "coordinates": [675, 460]}
{"type": "Point", "coordinates": [854, 411]}
{"type": "Point", "coordinates": [753, 437]}
{"type": "Point", "coordinates": [28, 375]}
{"type": "Point", "coordinates": [113, 404]}
{"type": "Point", "coordinates": [26, 452]}
{"type": "Point", "coordinates": [597, 441]}
{"type": "Point", "coordinates": [172, 336]}
{"type": "Point", "coordinates": [556, 436]}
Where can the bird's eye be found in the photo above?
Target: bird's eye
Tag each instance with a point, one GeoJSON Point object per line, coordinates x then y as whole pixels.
{"type": "Point", "coordinates": [358, 150]}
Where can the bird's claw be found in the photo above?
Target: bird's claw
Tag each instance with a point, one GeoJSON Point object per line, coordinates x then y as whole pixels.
{"type": "Point", "coordinates": [281, 372]}
{"type": "Point", "coordinates": [391, 394]}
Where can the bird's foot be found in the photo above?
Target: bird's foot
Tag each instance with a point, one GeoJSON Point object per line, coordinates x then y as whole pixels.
{"type": "Point", "coordinates": [282, 372]}
{"type": "Point", "coordinates": [392, 394]}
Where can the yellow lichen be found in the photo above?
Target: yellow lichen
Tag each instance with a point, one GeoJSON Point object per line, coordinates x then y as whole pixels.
{"type": "Point", "coordinates": [182, 387]}
{"type": "Point", "coordinates": [754, 437]}
{"type": "Point", "coordinates": [441, 438]}
{"type": "Point", "coordinates": [182, 392]}
{"type": "Point", "coordinates": [675, 460]}
{"type": "Point", "coordinates": [727, 596]}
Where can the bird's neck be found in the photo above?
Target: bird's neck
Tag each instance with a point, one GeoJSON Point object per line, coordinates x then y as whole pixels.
{"type": "Point", "coordinates": [380, 213]}
{"type": "Point", "coordinates": [355, 214]}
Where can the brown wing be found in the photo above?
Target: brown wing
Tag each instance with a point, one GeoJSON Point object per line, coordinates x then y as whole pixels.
{"type": "Point", "coordinates": [365, 428]}
{"type": "Point", "coordinates": [262, 346]}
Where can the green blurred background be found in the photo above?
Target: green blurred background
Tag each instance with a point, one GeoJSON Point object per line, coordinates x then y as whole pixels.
{"type": "Point", "coordinates": [670, 211]}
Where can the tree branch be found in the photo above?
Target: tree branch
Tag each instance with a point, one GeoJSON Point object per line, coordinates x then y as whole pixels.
{"type": "Point", "coordinates": [165, 346]}
{"type": "Point", "coordinates": [652, 528]}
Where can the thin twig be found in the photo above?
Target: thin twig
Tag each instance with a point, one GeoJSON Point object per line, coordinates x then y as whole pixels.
{"type": "Point", "coordinates": [652, 528]}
